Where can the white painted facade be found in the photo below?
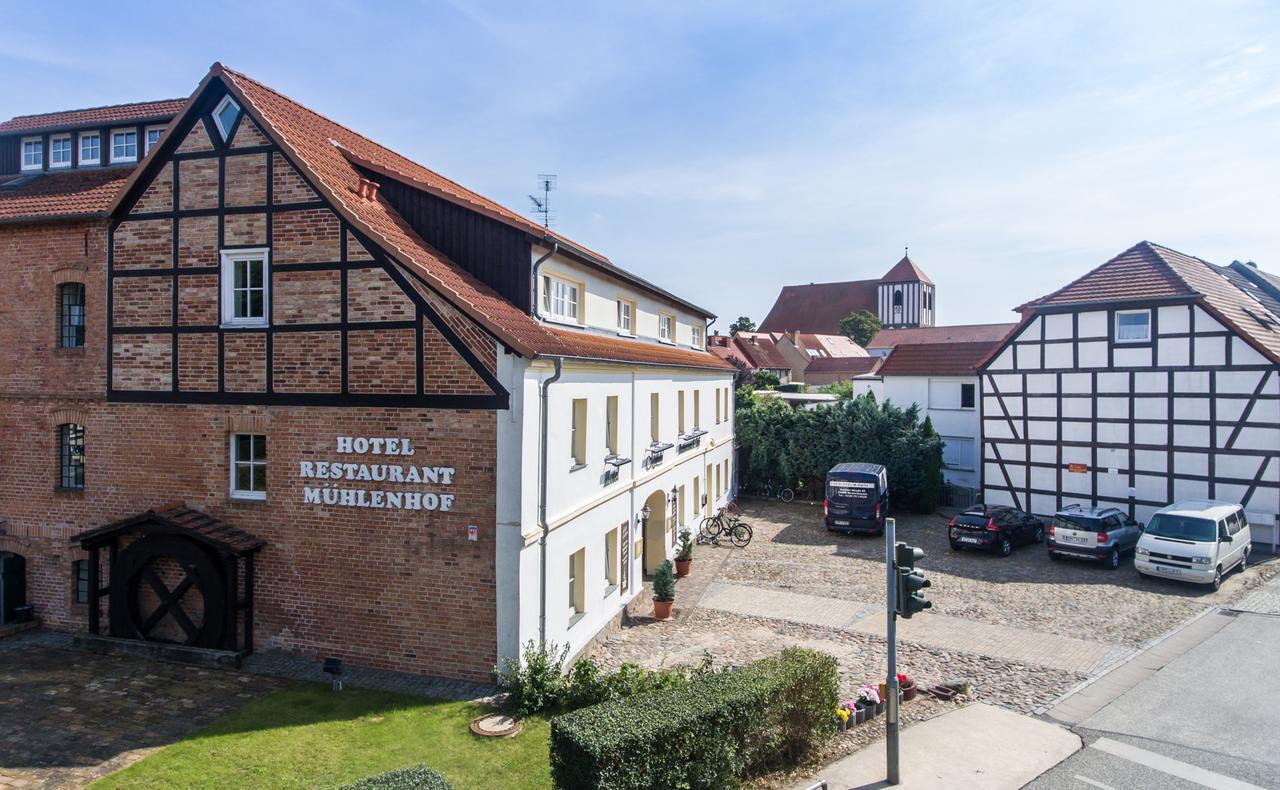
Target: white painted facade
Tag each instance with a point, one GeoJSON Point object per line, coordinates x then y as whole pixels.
{"type": "Point", "coordinates": [1072, 414]}
{"type": "Point", "coordinates": [942, 399]}
{"type": "Point", "coordinates": [906, 303]}
{"type": "Point", "coordinates": [585, 511]}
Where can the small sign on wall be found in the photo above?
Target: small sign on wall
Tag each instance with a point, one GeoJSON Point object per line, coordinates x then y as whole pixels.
{"type": "Point", "coordinates": [473, 533]}
{"type": "Point", "coordinates": [1078, 468]}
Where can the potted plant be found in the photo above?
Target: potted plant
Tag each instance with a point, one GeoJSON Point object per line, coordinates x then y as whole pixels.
{"type": "Point", "coordinates": [664, 591]}
{"type": "Point", "coordinates": [870, 699]}
{"type": "Point", "coordinates": [843, 714]}
{"type": "Point", "coordinates": [684, 557]}
{"type": "Point", "coordinates": [908, 687]}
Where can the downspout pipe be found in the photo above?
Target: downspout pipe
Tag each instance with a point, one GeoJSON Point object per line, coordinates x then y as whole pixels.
{"type": "Point", "coordinates": [542, 495]}
{"type": "Point", "coordinates": [533, 301]}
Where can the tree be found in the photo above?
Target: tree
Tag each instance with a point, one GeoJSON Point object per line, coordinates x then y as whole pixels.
{"type": "Point", "coordinates": [743, 377]}
{"type": "Point", "coordinates": [743, 324]}
{"type": "Point", "coordinates": [860, 327]}
{"type": "Point", "coordinates": [766, 380]}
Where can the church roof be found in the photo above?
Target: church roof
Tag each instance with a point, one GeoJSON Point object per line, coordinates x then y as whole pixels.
{"type": "Point", "coordinates": [905, 271]}
{"type": "Point", "coordinates": [818, 308]}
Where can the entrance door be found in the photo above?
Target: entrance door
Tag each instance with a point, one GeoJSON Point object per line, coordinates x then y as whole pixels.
{"type": "Point", "coordinates": [13, 585]}
{"type": "Point", "coordinates": [655, 532]}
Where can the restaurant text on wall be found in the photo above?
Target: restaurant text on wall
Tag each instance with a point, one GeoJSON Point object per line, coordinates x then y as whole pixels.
{"type": "Point", "coordinates": [331, 474]}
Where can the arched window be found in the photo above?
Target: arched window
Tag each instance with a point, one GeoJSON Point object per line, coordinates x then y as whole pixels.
{"type": "Point", "coordinates": [897, 298]}
{"type": "Point", "coordinates": [71, 315]}
{"type": "Point", "coordinates": [71, 456]}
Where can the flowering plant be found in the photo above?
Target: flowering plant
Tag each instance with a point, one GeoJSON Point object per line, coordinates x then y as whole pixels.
{"type": "Point", "coordinates": [869, 695]}
{"type": "Point", "coordinates": [843, 713]}
{"type": "Point", "coordinates": [903, 680]}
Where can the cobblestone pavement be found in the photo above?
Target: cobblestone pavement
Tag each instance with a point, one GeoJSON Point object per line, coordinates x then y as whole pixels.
{"type": "Point", "coordinates": [68, 717]}
{"type": "Point", "coordinates": [1264, 600]}
{"type": "Point", "coordinates": [1023, 629]}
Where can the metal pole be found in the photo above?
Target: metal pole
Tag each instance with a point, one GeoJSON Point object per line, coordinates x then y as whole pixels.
{"type": "Point", "coordinates": [891, 704]}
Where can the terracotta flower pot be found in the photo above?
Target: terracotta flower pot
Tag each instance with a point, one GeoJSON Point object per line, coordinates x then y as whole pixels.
{"type": "Point", "coordinates": [682, 567]}
{"type": "Point", "coordinates": [662, 609]}
{"type": "Point", "coordinates": [908, 691]}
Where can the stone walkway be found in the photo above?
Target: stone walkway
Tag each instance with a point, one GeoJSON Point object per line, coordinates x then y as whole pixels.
{"type": "Point", "coordinates": [933, 630]}
{"type": "Point", "coordinates": [68, 717]}
{"type": "Point", "coordinates": [1264, 600]}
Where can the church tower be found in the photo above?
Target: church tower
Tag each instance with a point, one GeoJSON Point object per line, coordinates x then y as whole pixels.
{"type": "Point", "coordinates": [905, 296]}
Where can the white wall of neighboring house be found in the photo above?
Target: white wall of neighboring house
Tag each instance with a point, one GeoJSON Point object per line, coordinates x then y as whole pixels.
{"type": "Point", "coordinates": [939, 398]}
{"type": "Point", "coordinates": [1090, 419]}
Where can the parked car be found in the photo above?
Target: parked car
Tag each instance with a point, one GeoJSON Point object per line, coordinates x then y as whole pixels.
{"type": "Point", "coordinates": [1093, 533]}
{"type": "Point", "coordinates": [1196, 540]}
{"type": "Point", "coordinates": [997, 527]}
{"type": "Point", "coordinates": [857, 498]}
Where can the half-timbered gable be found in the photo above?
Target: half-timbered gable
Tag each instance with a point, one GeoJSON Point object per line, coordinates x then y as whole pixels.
{"type": "Point", "coordinates": [233, 281]}
{"type": "Point", "coordinates": [1149, 380]}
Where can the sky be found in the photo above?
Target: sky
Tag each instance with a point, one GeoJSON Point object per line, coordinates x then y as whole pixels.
{"type": "Point", "coordinates": [725, 149]}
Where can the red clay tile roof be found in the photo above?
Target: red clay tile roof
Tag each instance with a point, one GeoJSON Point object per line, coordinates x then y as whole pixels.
{"type": "Point", "coordinates": [905, 271]}
{"type": "Point", "coordinates": [94, 116]}
{"type": "Point", "coordinates": [832, 345]}
{"type": "Point", "coordinates": [971, 333]}
{"type": "Point", "coordinates": [760, 350]}
{"type": "Point", "coordinates": [1140, 272]}
{"type": "Point", "coordinates": [936, 359]}
{"type": "Point", "coordinates": [309, 138]}
{"type": "Point", "coordinates": [54, 194]}
{"type": "Point", "coordinates": [853, 366]}
{"type": "Point", "coordinates": [818, 308]}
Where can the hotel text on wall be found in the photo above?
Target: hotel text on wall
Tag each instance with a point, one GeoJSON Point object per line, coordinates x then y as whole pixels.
{"type": "Point", "coordinates": [331, 477]}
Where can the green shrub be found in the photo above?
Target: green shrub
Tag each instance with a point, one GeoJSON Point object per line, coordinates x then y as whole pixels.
{"type": "Point", "coordinates": [535, 683]}
{"type": "Point", "coordinates": [664, 582]}
{"type": "Point", "coordinates": [686, 546]}
{"type": "Point", "coordinates": [590, 685]}
{"type": "Point", "coordinates": [418, 777]}
{"type": "Point", "coordinates": [716, 730]}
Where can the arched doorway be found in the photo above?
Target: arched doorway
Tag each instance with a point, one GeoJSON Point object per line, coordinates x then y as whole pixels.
{"type": "Point", "coordinates": [13, 585]}
{"type": "Point", "coordinates": [655, 532]}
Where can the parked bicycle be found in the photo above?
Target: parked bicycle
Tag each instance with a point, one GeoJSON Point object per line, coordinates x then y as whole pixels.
{"type": "Point", "coordinates": [771, 490]}
{"type": "Point", "coordinates": [726, 524]}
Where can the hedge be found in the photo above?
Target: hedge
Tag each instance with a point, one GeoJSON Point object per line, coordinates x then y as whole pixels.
{"type": "Point", "coordinates": [720, 729]}
{"type": "Point", "coordinates": [417, 777]}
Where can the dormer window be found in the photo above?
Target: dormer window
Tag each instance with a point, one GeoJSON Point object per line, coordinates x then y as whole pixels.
{"type": "Point", "coordinates": [60, 151]}
{"type": "Point", "coordinates": [666, 327]}
{"type": "Point", "coordinates": [225, 115]}
{"type": "Point", "coordinates": [560, 298]}
{"type": "Point", "coordinates": [32, 153]}
{"type": "Point", "coordinates": [90, 148]}
{"type": "Point", "coordinates": [697, 337]}
{"type": "Point", "coordinates": [626, 317]}
{"type": "Point", "coordinates": [153, 137]}
{"type": "Point", "coordinates": [124, 146]}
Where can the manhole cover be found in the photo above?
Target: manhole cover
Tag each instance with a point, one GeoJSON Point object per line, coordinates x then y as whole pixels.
{"type": "Point", "coordinates": [495, 725]}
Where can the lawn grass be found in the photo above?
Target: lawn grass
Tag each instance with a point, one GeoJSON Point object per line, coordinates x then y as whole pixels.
{"type": "Point", "coordinates": [305, 735]}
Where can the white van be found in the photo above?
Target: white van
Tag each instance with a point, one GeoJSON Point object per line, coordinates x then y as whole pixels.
{"type": "Point", "coordinates": [1196, 540]}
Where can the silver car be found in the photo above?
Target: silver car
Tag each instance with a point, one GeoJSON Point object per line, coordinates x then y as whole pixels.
{"type": "Point", "coordinates": [1100, 534]}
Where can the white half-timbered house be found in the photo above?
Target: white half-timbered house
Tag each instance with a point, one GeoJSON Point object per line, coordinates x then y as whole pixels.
{"type": "Point", "coordinates": [1153, 378]}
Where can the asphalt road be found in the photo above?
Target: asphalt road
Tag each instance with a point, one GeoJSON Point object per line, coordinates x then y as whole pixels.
{"type": "Point", "coordinates": [1210, 718]}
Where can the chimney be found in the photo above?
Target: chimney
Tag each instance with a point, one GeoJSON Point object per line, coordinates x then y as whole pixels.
{"type": "Point", "coordinates": [367, 189]}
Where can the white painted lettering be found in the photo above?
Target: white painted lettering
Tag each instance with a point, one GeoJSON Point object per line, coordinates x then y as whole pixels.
{"type": "Point", "coordinates": [429, 475]}
{"type": "Point", "coordinates": [412, 475]}
{"type": "Point", "coordinates": [375, 445]}
{"type": "Point", "coordinates": [344, 444]}
{"type": "Point", "coordinates": [408, 447]}
{"type": "Point", "coordinates": [376, 499]}
{"type": "Point", "coordinates": [430, 501]}
{"type": "Point", "coordinates": [363, 473]}
{"type": "Point", "coordinates": [395, 474]}
{"type": "Point", "coordinates": [446, 475]}
{"type": "Point", "coordinates": [413, 501]}
{"type": "Point", "coordinates": [347, 497]}
{"type": "Point", "coordinates": [446, 502]}
{"type": "Point", "coordinates": [379, 472]}
{"type": "Point", "coordinates": [310, 495]}
{"type": "Point", "coordinates": [360, 445]}
{"type": "Point", "coordinates": [395, 500]}
{"type": "Point", "coordinates": [331, 496]}
{"type": "Point", "coordinates": [393, 446]}
{"type": "Point", "coordinates": [361, 499]}
{"type": "Point", "coordinates": [306, 469]}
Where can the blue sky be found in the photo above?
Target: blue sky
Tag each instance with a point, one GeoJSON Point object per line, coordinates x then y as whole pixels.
{"type": "Point", "coordinates": [724, 149]}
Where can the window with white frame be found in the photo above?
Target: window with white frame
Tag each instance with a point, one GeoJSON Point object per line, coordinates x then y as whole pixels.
{"type": "Point", "coordinates": [957, 452]}
{"type": "Point", "coordinates": [225, 114]}
{"type": "Point", "coordinates": [124, 145]}
{"type": "Point", "coordinates": [611, 424]}
{"type": "Point", "coordinates": [626, 317]}
{"type": "Point", "coordinates": [60, 151]}
{"type": "Point", "coordinates": [153, 137]}
{"type": "Point", "coordinates": [32, 153]}
{"type": "Point", "coordinates": [249, 466]}
{"type": "Point", "coordinates": [697, 337]}
{"type": "Point", "coordinates": [245, 287]}
{"type": "Point", "coordinates": [560, 298]}
{"type": "Point", "coordinates": [578, 433]}
{"type": "Point", "coordinates": [90, 148]}
{"type": "Point", "coordinates": [577, 600]}
{"type": "Point", "coordinates": [611, 558]}
{"type": "Point", "coordinates": [1133, 326]}
{"type": "Point", "coordinates": [945, 394]}
{"type": "Point", "coordinates": [666, 327]}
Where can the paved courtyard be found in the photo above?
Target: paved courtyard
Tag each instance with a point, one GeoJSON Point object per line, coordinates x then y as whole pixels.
{"type": "Point", "coordinates": [1023, 629]}
{"type": "Point", "coordinates": [68, 717]}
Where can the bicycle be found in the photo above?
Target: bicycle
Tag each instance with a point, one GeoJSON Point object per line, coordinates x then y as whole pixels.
{"type": "Point", "coordinates": [724, 523]}
{"type": "Point", "coordinates": [771, 491]}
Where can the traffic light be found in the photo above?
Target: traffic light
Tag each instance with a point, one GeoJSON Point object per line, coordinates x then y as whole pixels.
{"type": "Point", "coordinates": [910, 582]}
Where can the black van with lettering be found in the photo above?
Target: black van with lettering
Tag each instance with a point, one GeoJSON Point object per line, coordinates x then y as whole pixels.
{"type": "Point", "coordinates": [857, 498]}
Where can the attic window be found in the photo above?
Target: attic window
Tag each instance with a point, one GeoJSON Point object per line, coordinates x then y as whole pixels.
{"type": "Point", "coordinates": [225, 115]}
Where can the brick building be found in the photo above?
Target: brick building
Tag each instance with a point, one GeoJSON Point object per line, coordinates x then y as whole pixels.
{"type": "Point", "coordinates": [269, 385]}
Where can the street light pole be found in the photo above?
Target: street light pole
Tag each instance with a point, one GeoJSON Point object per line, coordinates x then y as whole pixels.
{"type": "Point", "coordinates": [891, 704]}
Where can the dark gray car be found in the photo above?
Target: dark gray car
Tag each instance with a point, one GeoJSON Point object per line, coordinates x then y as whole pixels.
{"type": "Point", "coordinates": [1101, 534]}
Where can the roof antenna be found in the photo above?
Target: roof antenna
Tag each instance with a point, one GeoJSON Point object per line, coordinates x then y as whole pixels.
{"type": "Point", "coordinates": [546, 182]}
{"type": "Point", "coordinates": [906, 251]}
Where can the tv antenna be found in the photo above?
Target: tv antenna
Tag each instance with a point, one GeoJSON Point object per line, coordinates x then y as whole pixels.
{"type": "Point", "coordinates": [542, 205]}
